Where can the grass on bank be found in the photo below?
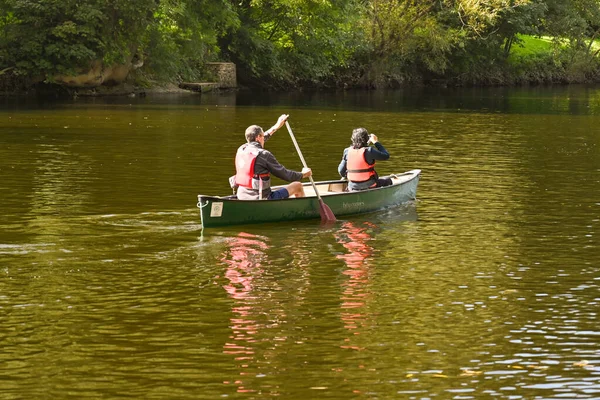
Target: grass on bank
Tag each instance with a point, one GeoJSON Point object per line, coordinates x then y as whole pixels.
{"type": "Point", "coordinates": [536, 59]}
{"type": "Point", "coordinates": [535, 46]}
{"type": "Point", "coordinates": [531, 46]}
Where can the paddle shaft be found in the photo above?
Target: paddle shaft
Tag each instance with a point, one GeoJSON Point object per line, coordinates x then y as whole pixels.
{"type": "Point", "coordinates": [302, 158]}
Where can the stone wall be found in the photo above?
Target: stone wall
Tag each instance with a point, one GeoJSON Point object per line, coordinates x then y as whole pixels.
{"type": "Point", "coordinates": [224, 72]}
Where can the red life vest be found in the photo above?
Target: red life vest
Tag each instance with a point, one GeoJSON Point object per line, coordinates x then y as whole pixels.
{"type": "Point", "coordinates": [358, 168]}
{"type": "Point", "coordinates": [244, 165]}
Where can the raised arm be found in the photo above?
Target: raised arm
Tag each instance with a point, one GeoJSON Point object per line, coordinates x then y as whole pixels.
{"type": "Point", "coordinates": [280, 122]}
{"type": "Point", "coordinates": [377, 153]}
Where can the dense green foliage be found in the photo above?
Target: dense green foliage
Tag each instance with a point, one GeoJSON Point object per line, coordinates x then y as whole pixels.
{"type": "Point", "coordinates": [42, 38]}
{"type": "Point", "coordinates": [302, 43]}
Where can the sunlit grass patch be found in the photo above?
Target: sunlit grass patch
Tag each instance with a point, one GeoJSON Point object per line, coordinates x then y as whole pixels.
{"type": "Point", "coordinates": [545, 59]}
{"type": "Point", "coordinates": [531, 46]}
{"type": "Point", "coordinates": [539, 45]}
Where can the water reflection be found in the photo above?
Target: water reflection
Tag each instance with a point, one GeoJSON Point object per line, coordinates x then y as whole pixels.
{"type": "Point", "coordinates": [264, 304]}
{"type": "Point", "coordinates": [244, 258]}
{"type": "Point", "coordinates": [355, 237]}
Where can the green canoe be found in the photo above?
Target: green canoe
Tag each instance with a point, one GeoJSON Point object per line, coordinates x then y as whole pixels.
{"type": "Point", "coordinates": [228, 210]}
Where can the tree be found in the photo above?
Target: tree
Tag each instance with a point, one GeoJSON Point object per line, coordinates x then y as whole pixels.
{"type": "Point", "coordinates": [184, 34]}
{"type": "Point", "coordinates": [48, 37]}
{"type": "Point", "coordinates": [288, 42]}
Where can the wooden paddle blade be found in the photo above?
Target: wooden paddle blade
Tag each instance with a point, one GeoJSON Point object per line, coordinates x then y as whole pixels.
{"type": "Point", "coordinates": [326, 213]}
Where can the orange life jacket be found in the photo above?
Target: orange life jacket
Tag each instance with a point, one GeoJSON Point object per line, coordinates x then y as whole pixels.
{"type": "Point", "coordinates": [244, 165]}
{"type": "Point", "coordinates": [358, 168]}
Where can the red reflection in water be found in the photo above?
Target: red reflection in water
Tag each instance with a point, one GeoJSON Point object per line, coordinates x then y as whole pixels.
{"type": "Point", "coordinates": [355, 239]}
{"type": "Point", "coordinates": [244, 259]}
{"type": "Point", "coordinates": [259, 326]}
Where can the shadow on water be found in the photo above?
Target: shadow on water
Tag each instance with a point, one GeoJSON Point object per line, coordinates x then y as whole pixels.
{"type": "Point", "coordinates": [579, 99]}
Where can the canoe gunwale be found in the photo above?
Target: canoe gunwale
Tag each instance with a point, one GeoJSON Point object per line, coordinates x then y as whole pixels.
{"type": "Point", "coordinates": [228, 210]}
{"type": "Point", "coordinates": [415, 172]}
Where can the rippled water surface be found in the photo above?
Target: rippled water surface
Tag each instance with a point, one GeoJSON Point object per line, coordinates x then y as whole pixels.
{"type": "Point", "coordinates": [485, 287]}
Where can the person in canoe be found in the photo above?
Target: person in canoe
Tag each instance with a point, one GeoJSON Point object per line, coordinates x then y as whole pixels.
{"type": "Point", "coordinates": [358, 161]}
{"type": "Point", "coordinates": [254, 166]}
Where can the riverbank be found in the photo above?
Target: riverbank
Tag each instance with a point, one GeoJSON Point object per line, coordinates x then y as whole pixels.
{"type": "Point", "coordinates": [520, 70]}
{"type": "Point", "coordinates": [122, 90]}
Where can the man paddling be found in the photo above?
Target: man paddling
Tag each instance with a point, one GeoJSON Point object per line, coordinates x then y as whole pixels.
{"type": "Point", "coordinates": [254, 166]}
{"type": "Point", "coordinates": [358, 161]}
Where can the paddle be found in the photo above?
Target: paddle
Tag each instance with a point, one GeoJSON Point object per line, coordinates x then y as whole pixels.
{"type": "Point", "coordinates": [324, 210]}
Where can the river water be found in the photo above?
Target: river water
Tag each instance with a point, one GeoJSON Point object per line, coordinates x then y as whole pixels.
{"type": "Point", "coordinates": [485, 287]}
